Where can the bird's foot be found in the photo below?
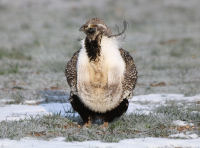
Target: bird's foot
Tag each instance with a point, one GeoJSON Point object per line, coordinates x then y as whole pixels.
{"type": "Point", "coordinates": [105, 125]}
{"type": "Point", "coordinates": [88, 124]}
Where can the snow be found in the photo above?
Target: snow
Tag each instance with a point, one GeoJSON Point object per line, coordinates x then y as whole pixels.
{"type": "Point", "coordinates": [181, 135]}
{"type": "Point", "coordinates": [4, 101]}
{"type": "Point", "coordinates": [182, 123]}
{"type": "Point", "coordinates": [161, 98]}
{"type": "Point", "coordinates": [15, 112]}
{"type": "Point", "coordinates": [136, 143]}
{"type": "Point", "coordinates": [34, 102]}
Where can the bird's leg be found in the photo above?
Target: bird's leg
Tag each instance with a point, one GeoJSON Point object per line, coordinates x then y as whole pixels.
{"type": "Point", "coordinates": [88, 123]}
{"type": "Point", "coordinates": [105, 125]}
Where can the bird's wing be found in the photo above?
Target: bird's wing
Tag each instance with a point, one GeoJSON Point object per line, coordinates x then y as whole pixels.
{"type": "Point", "coordinates": [130, 75]}
{"type": "Point", "coordinates": [71, 73]}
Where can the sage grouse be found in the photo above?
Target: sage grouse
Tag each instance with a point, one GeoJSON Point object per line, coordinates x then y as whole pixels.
{"type": "Point", "coordinates": [101, 75]}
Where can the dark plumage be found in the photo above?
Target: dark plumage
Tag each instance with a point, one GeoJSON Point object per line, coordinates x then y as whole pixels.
{"type": "Point", "coordinates": [108, 116]}
{"type": "Point", "coordinates": [93, 49]}
{"type": "Point", "coordinates": [101, 75]}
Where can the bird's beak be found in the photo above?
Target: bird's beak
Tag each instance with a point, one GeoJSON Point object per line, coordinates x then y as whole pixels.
{"type": "Point", "coordinates": [81, 29]}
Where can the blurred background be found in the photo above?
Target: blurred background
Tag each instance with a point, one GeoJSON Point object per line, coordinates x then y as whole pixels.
{"type": "Point", "coordinates": [37, 38]}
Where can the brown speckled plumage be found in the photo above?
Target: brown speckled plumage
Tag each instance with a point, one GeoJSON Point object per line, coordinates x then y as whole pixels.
{"type": "Point", "coordinates": [95, 29]}
{"type": "Point", "coordinates": [130, 75]}
{"type": "Point", "coordinates": [71, 73]}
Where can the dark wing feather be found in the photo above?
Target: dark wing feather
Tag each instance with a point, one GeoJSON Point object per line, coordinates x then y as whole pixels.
{"type": "Point", "coordinates": [71, 73]}
{"type": "Point", "coordinates": [130, 75]}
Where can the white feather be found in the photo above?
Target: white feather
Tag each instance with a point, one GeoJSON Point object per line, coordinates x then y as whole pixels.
{"type": "Point", "coordinates": [111, 54]}
{"type": "Point", "coordinates": [110, 69]}
{"type": "Point", "coordinates": [102, 26]}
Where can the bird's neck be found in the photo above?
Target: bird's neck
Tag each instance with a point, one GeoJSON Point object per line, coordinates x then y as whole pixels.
{"type": "Point", "coordinates": [93, 47]}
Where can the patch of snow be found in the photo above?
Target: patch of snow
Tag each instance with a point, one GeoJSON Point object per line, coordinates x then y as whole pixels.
{"type": "Point", "coordinates": [16, 112]}
{"type": "Point", "coordinates": [136, 143]}
{"type": "Point", "coordinates": [182, 123]}
{"type": "Point", "coordinates": [161, 98]}
{"type": "Point", "coordinates": [5, 101]}
{"type": "Point", "coordinates": [194, 136]}
{"type": "Point", "coordinates": [182, 135]}
{"type": "Point", "coordinates": [195, 112]}
{"type": "Point", "coordinates": [34, 102]}
{"type": "Point", "coordinates": [134, 107]}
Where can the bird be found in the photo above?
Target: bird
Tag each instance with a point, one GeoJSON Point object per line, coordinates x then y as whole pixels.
{"type": "Point", "coordinates": [101, 74]}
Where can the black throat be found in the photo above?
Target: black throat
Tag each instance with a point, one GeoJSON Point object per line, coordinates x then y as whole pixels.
{"type": "Point", "coordinates": [93, 48]}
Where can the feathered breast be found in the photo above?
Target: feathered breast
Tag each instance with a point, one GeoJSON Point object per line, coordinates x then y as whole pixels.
{"type": "Point", "coordinates": [99, 83]}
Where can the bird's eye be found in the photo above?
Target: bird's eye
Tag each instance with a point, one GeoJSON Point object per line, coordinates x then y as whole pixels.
{"type": "Point", "coordinates": [93, 26]}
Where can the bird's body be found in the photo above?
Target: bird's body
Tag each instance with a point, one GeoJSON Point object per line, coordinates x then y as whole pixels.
{"type": "Point", "coordinates": [101, 75]}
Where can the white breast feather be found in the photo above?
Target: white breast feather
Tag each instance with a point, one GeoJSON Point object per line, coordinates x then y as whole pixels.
{"type": "Point", "coordinates": [100, 86]}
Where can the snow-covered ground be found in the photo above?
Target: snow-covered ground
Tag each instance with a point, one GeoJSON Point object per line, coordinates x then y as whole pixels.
{"type": "Point", "coordinates": [129, 143]}
{"type": "Point", "coordinates": [15, 112]}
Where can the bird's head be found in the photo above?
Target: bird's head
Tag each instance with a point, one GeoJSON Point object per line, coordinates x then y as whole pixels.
{"type": "Point", "coordinates": [94, 27]}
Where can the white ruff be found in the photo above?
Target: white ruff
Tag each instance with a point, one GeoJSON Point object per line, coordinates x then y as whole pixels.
{"type": "Point", "coordinates": [100, 84]}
